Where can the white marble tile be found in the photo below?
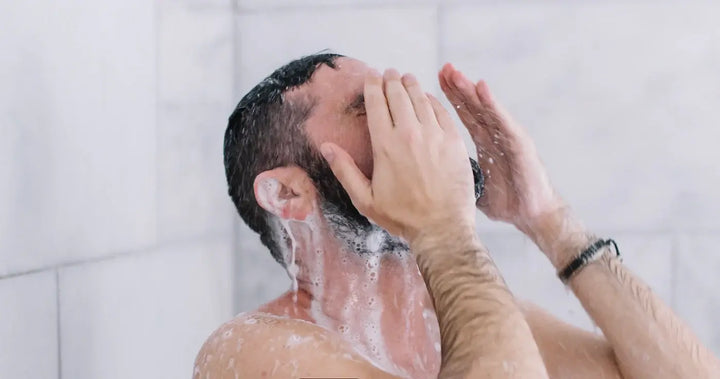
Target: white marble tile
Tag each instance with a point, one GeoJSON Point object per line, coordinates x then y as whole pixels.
{"type": "Point", "coordinates": [697, 297]}
{"type": "Point", "coordinates": [28, 326]}
{"type": "Point", "coordinates": [78, 128]}
{"type": "Point", "coordinates": [192, 190]}
{"type": "Point", "coordinates": [620, 98]}
{"type": "Point", "coordinates": [404, 38]}
{"type": "Point", "coordinates": [144, 315]}
{"type": "Point", "coordinates": [195, 54]}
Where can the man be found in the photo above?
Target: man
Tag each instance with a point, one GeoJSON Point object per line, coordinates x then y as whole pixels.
{"type": "Point", "coordinates": [359, 306]}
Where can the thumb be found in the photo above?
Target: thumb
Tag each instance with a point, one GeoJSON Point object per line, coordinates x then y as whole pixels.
{"type": "Point", "coordinates": [349, 175]}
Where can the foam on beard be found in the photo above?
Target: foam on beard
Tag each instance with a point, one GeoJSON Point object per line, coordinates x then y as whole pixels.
{"type": "Point", "coordinates": [362, 239]}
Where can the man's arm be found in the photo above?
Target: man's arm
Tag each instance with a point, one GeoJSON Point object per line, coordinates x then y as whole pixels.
{"type": "Point", "coordinates": [647, 338]}
{"type": "Point", "coordinates": [422, 190]}
{"type": "Point", "coordinates": [483, 331]}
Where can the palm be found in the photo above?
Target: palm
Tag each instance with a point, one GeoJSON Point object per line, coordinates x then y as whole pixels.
{"type": "Point", "coordinates": [516, 186]}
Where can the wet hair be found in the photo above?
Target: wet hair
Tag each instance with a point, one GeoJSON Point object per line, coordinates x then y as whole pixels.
{"type": "Point", "coordinates": [267, 130]}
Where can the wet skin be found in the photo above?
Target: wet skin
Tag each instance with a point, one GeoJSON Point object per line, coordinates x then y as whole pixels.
{"type": "Point", "coordinates": [373, 312]}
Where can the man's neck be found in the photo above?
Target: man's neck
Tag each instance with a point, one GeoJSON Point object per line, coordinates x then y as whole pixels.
{"type": "Point", "coordinates": [378, 302]}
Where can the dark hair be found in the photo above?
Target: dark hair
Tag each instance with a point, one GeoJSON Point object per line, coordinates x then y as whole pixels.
{"type": "Point", "coordinates": [267, 131]}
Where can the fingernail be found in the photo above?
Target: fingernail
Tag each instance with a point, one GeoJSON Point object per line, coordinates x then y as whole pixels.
{"type": "Point", "coordinates": [409, 78]}
{"type": "Point", "coordinates": [327, 152]}
{"type": "Point", "coordinates": [392, 73]}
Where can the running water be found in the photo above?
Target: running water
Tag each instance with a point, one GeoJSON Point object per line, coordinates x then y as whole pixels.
{"type": "Point", "coordinates": [290, 265]}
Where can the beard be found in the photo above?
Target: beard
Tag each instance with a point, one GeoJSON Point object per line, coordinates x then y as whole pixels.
{"type": "Point", "coordinates": [361, 237]}
{"type": "Point", "coordinates": [349, 226]}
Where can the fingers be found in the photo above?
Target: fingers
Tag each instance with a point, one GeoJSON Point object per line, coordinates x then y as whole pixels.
{"type": "Point", "coordinates": [376, 107]}
{"type": "Point", "coordinates": [442, 115]}
{"type": "Point", "coordinates": [420, 102]}
{"type": "Point", "coordinates": [483, 92]}
{"type": "Point", "coordinates": [445, 83]}
{"type": "Point", "coordinates": [450, 93]}
{"type": "Point", "coordinates": [457, 87]}
{"type": "Point", "coordinates": [349, 175]}
{"type": "Point", "coordinates": [497, 112]}
{"type": "Point", "coordinates": [401, 108]}
{"type": "Point", "coordinates": [465, 87]}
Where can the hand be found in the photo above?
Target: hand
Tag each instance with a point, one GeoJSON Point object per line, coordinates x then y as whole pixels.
{"type": "Point", "coordinates": [517, 188]}
{"type": "Point", "coordinates": [421, 176]}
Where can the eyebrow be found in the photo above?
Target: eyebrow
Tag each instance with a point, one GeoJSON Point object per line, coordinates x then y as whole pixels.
{"type": "Point", "coordinates": [357, 105]}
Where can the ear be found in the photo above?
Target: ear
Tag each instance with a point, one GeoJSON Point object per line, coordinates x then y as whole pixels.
{"type": "Point", "coordinates": [286, 192]}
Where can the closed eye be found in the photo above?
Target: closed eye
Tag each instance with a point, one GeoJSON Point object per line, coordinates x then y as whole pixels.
{"type": "Point", "coordinates": [357, 106]}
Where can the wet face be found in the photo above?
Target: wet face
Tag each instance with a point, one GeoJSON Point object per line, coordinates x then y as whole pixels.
{"type": "Point", "coordinates": [339, 113]}
{"type": "Point", "coordinates": [338, 116]}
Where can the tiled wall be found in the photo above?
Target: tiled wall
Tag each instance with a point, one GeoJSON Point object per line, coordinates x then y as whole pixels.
{"type": "Point", "coordinates": [120, 251]}
{"type": "Point", "coordinates": [116, 240]}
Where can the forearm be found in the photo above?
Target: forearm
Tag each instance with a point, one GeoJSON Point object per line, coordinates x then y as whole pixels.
{"type": "Point", "coordinates": [648, 339]}
{"type": "Point", "coordinates": [483, 331]}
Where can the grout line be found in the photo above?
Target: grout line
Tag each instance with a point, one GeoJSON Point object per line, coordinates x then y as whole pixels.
{"type": "Point", "coordinates": [109, 257]}
{"type": "Point", "coordinates": [156, 35]}
{"type": "Point", "coordinates": [440, 46]}
{"type": "Point", "coordinates": [440, 35]}
{"type": "Point", "coordinates": [380, 4]}
{"type": "Point", "coordinates": [674, 246]}
{"type": "Point", "coordinates": [374, 5]}
{"type": "Point", "coordinates": [57, 317]}
{"type": "Point", "coordinates": [26, 272]}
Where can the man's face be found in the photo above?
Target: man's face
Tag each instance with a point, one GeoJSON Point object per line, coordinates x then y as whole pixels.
{"type": "Point", "coordinates": [339, 114]}
{"type": "Point", "coordinates": [339, 117]}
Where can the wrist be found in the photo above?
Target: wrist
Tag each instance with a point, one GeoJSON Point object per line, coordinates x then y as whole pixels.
{"type": "Point", "coordinates": [438, 236]}
{"type": "Point", "coordinates": [559, 235]}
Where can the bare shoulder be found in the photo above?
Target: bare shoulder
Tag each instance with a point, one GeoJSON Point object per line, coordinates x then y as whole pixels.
{"type": "Point", "coordinates": [260, 345]}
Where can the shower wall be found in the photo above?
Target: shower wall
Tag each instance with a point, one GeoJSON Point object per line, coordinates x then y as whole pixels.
{"type": "Point", "coordinates": [115, 227]}
{"type": "Point", "coordinates": [120, 250]}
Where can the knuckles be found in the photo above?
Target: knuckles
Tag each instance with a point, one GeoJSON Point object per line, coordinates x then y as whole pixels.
{"type": "Point", "coordinates": [411, 135]}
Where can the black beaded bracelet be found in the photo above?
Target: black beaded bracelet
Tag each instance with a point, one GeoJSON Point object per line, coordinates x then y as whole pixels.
{"type": "Point", "coordinates": [591, 254]}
